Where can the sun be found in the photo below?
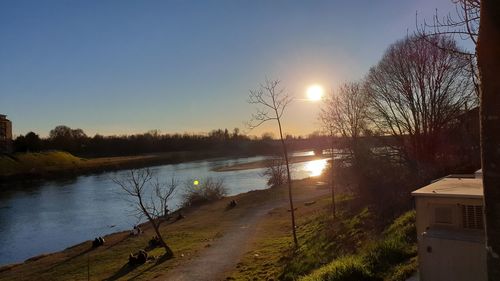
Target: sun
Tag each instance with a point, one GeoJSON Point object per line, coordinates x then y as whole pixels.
{"type": "Point", "coordinates": [315, 92]}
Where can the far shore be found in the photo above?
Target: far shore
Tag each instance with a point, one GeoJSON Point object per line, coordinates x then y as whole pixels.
{"type": "Point", "coordinates": [264, 163]}
{"type": "Point", "coordinates": [59, 164]}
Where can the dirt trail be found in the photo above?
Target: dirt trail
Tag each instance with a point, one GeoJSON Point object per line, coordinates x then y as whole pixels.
{"type": "Point", "coordinates": [224, 254]}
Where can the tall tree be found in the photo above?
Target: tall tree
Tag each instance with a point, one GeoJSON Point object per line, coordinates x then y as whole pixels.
{"type": "Point", "coordinates": [272, 101]}
{"type": "Point", "coordinates": [488, 51]}
{"type": "Point", "coordinates": [464, 25]}
{"type": "Point", "coordinates": [416, 90]}
{"type": "Point", "coordinates": [65, 138]}
{"type": "Point", "coordinates": [344, 113]}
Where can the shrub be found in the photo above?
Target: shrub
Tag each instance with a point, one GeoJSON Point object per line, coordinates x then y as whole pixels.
{"type": "Point", "coordinates": [275, 172]}
{"type": "Point", "coordinates": [383, 254]}
{"type": "Point", "coordinates": [347, 268]}
{"type": "Point", "coordinates": [404, 228]}
{"type": "Point", "coordinates": [203, 191]}
{"type": "Point", "coordinates": [397, 246]}
{"type": "Point", "coordinates": [403, 271]}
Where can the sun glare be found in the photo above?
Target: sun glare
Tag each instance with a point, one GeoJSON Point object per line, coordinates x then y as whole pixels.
{"type": "Point", "coordinates": [316, 167]}
{"type": "Point", "coordinates": [315, 92]}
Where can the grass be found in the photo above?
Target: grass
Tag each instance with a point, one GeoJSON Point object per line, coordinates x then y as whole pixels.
{"type": "Point", "coordinates": [33, 162]}
{"type": "Point", "coordinates": [109, 262]}
{"type": "Point", "coordinates": [58, 163]}
{"type": "Point", "coordinates": [340, 249]}
{"type": "Point", "coordinates": [270, 256]}
{"type": "Point", "coordinates": [392, 258]}
{"type": "Point", "coordinates": [346, 268]}
{"type": "Point", "coordinates": [324, 239]}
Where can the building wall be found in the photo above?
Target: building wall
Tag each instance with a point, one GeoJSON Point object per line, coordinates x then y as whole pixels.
{"type": "Point", "coordinates": [5, 135]}
{"type": "Point", "coordinates": [449, 259]}
{"type": "Point", "coordinates": [445, 259]}
{"type": "Point", "coordinates": [426, 205]}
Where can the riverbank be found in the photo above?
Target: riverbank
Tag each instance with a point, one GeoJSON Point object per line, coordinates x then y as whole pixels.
{"type": "Point", "coordinates": [56, 164]}
{"type": "Point", "coordinates": [189, 237]}
{"type": "Point", "coordinates": [253, 239]}
{"type": "Point", "coordinates": [264, 163]}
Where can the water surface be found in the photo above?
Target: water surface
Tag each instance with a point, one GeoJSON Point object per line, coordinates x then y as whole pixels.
{"type": "Point", "coordinates": [46, 216]}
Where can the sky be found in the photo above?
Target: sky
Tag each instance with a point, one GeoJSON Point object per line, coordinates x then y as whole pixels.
{"type": "Point", "coordinates": [124, 67]}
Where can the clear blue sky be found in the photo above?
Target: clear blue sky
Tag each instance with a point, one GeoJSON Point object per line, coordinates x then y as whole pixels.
{"type": "Point", "coordinates": [121, 67]}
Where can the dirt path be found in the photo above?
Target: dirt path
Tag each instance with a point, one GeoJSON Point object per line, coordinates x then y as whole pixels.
{"type": "Point", "coordinates": [224, 254]}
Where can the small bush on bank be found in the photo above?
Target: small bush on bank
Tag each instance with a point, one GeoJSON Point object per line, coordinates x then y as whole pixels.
{"type": "Point", "coordinates": [200, 192]}
{"type": "Point", "coordinates": [275, 172]}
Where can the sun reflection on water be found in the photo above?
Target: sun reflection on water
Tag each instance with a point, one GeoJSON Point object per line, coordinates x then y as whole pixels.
{"type": "Point", "coordinates": [315, 167]}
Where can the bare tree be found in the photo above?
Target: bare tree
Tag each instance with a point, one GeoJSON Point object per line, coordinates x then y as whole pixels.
{"type": "Point", "coordinates": [463, 24]}
{"type": "Point", "coordinates": [489, 66]}
{"type": "Point", "coordinates": [415, 91]}
{"type": "Point", "coordinates": [140, 184]}
{"type": "Point", "coordinates": [272, 102]}
{"type": "Point", "coordinates": [344, 113]}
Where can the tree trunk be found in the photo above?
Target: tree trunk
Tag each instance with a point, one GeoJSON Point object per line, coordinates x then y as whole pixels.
{"type": "Point", "coordinates": [289, 178]}
{"type": "Point", "coordinates": [488, 50]}
{"type": "Point", "coordinates": [156, 226]}
{"type": "Point", "coordinates": [168, 251]}
{"type": "Point", "coordinates": [332, 183]}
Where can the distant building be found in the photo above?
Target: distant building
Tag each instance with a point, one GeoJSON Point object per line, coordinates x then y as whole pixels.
{"type": "Point", "coordinates": [450, 229]}
{"type": "Point", "coordinates": [5, 134]}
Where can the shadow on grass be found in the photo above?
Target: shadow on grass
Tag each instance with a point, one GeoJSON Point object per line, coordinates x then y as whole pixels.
{"type": "Point", "coordinates": [88, 250]}
{"type": "Point", "coordinates": [126, 269]}
{"type": "Point", "coordinates": [123, 238]}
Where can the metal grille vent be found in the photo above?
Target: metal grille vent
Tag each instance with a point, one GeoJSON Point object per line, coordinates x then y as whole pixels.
{"type": "Point", "coordinates": [472, 216]}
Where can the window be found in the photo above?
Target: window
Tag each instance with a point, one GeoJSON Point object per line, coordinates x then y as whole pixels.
{"type": "Point", "coordinates": [443, 215]}
{"type": "Point", "coordinates": [472, 216]}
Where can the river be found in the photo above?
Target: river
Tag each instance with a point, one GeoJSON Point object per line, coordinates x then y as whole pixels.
{"type": "Point", "coordinates": [47, 216]}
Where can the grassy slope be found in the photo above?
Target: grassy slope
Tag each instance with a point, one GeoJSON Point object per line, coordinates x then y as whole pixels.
{"type": "Point", "coordinates": [54, 163]}
{"type": "Point", "coordinates": [391, 258]}
{"type": "Point", "coordinates": [30, 162]}
{"type": "Point", "coordinates": [270, 256]}
{"type": "Point", "coordinates": [346, 247]}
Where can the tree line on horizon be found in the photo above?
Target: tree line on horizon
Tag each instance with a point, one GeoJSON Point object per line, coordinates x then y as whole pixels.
{"type": "Point", "coordinates": [77, 142]}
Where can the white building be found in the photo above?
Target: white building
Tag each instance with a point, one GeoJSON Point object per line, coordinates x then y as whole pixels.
{"type": "Point", "coordinates": [450, 229]}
